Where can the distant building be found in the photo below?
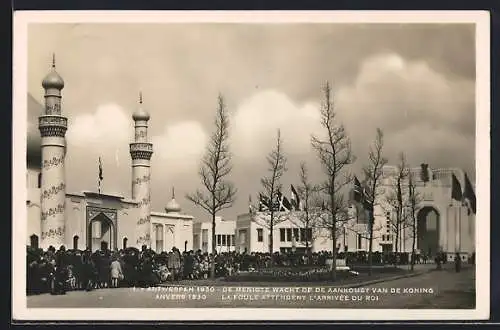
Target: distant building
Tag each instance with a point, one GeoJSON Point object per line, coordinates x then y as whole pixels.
{"type": "Point", "coordinates": [92, 220]}
{"type": "Point", "coordinates": [224, 235]}
{"type": "Point", "coordinates": [445, 220]}
{"type": "Point", "coordinates": [253, 234]}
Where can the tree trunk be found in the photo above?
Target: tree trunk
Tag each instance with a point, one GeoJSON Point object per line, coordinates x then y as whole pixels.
{"type": "Point", "coordinates": [214, 248]}
{"type": "Point", "coordinates": [370, 245]}
{"type": "Point", "coordinates": [307, 230]}
{"type": "Point", "coordinates": [396, 248]}
{"type": "Point", "coordinates": [334, 253]}
{"type": "Point", "coordinates": [271, 241]}
{"type": "Point", "coordinates": [414, 234]}
{"type": "Point", "coordinates": [306, 238]}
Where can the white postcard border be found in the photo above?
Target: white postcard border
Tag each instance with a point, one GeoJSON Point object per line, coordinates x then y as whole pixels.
{"type": "Point", "coordinates": [20, 73]}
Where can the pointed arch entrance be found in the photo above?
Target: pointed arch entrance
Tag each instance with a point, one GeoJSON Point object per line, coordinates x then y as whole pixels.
{"type": "Point", "coordinates": [101, 229]}
{"type": "Point", "coordinates": [428, 223]}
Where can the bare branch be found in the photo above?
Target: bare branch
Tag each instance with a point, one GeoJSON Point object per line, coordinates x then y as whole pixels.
{"type": "Point", "coordinates": [272, 186]}
{"type": "Point", "coordinates": [334, 153]}
{"type": "Point", "coordinates": [215, 166]}
{"type": "Point", "coordinates": [372, 181]}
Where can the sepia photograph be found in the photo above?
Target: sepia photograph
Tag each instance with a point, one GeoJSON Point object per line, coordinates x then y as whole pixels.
{"type": "Point", "coordinates": [242, 166]}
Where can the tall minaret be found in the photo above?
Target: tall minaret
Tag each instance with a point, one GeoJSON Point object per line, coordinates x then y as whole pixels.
{"type": "Point", "coordinates": [53, 126]}
{"type": "Point", "coordinates": [141, 151]}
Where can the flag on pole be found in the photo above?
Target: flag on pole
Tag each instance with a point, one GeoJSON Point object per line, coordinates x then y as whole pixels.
{"type": "Point", "coordinates": [361, 196]}
{"type": "Point", "coordinates": [295, 200]}
{"type": "Point", "coordinates": [456, 189]}
{"type": "Point", "coordinates": [358, 191]}
{"type": "Point", "coordinates": [469, 195]}
{"type": "Point", "coordinates": [100, 174]}
{"type": "Point", "coordinates": [263, 203]}
{"type": "Point", "coordinates": [284, 203]}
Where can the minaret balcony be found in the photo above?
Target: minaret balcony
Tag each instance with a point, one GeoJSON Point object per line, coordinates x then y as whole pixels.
{"type": "Point", "coordinates": [52, 125]}
{"type": "Point", "coordinates": [141, 150]}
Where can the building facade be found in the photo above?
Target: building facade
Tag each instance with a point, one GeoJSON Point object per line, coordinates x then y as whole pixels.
{"type": "Point", "coordinates": [445, 221]}
{"type": "Point", "coordinates": [93, 219]}
{"type": "Point", "coordinates": [224, 235]}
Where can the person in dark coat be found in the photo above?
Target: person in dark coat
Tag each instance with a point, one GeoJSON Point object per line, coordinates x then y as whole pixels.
{"type": "Point", "coordinates": [60, 275]}
{"type": "Point", "coordinates": [188, 265]}
{"type": "Point", "coordinates": [174, 263]}
{"type": "Point", "coordinates": [88, 270]}
{"type": "Point", "coordinates": [146, 269]}
{"type": "Point", "coordinates": [77, 268]}
{"type": "Point", "coordinates": [104, 263]}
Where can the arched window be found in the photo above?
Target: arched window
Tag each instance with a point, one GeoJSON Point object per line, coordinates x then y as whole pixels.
{"type": "Point", "coordinates": [125, 242]}
{"type": "Point", "coordinates": [34, 241]}
{"type": "Point", "coordinates": [75, 242]}
{"type": "Point", "coordinates": [39, 185]}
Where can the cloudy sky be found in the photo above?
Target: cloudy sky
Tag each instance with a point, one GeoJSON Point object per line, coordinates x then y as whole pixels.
{"type": "Point", "coordinates": [415, 81]}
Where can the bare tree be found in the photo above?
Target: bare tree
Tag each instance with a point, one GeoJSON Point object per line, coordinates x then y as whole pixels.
{"type": "Point", "coordinates": [272, 189]}
{"type": "Point", "coordinates": [217, 193]}
{"type": "Point", "coordinates": [372, 182]}
{"type": "Point", "coordinates": [395, 200]}
{"type": "Point", "coordinates": [309, 216]}
{"type": "Point", "coordinates": [414, 200]}
{"type": "Point", "coordinates": [334, 152]}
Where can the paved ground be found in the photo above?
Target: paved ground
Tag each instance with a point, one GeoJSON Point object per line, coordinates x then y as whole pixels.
{"type": "Point", "coordinates": [434, 289]}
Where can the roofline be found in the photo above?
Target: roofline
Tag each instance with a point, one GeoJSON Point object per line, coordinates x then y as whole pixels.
{"type": "Point", "coordinates": [172, 215]}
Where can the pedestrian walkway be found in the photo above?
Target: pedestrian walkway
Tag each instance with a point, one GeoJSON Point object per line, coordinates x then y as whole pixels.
{"type": "Point", "coordinates": [449, 290]}
{"type": "Point", "coordinates": [419, 269]}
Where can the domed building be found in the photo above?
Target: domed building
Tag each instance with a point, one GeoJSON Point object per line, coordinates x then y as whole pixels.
{"type": "Point", "coordinates": [92, 220]}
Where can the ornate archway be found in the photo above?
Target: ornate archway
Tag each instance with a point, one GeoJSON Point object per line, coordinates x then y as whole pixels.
{"type": "Point", "coordinates": [428, 223]}
{"type": "Point", "coordinates": [101, 229]}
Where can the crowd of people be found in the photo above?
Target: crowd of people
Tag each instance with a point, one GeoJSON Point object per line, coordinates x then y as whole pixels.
{"type": "Point", "coordinates": [62, 270]}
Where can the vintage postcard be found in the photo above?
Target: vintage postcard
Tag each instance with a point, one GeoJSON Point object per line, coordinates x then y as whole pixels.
{"type": "Point", "coordinates": [245, 165]}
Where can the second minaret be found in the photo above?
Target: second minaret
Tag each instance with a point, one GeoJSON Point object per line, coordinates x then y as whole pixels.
{"type": "Point", "coordinates": [140, 152]}
{"type": "Point", "coordinates": [53, 125]}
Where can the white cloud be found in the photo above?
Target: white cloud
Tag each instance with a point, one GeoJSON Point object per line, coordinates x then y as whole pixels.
{"type": "Point", "coordinates": [394, 93]}
{"type": "Point", "coordinates": [108, 131]}
{"type": "Point", "coordinates": [257, 119]}
{"type": "Point", "coordinates": [422, 112]}
{"type": "Point", "coordinates": [180, 146]}
{"type": "Point", "coordinates": [108, 127]}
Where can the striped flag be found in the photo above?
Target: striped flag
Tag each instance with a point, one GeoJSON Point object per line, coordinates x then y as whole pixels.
{"type": "Point", "coordinates": [295, 200]}
{"type": "Point", "coordinates": [284, 203]}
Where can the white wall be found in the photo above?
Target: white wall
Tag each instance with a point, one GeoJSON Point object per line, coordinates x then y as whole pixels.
{"type": "Point", "coordinates": [182, 231]}
{"type": "Point", "coordinates": [222, 227]}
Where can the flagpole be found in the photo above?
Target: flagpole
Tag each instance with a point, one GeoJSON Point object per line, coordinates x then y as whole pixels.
{"type": "Point", "coordinates": [99, 176]}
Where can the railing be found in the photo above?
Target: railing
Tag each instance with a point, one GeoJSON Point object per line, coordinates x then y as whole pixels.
{"type": "Point", "coordinates": [141, 146]}
{"type": "Point", "coordinates": [52, 120]}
